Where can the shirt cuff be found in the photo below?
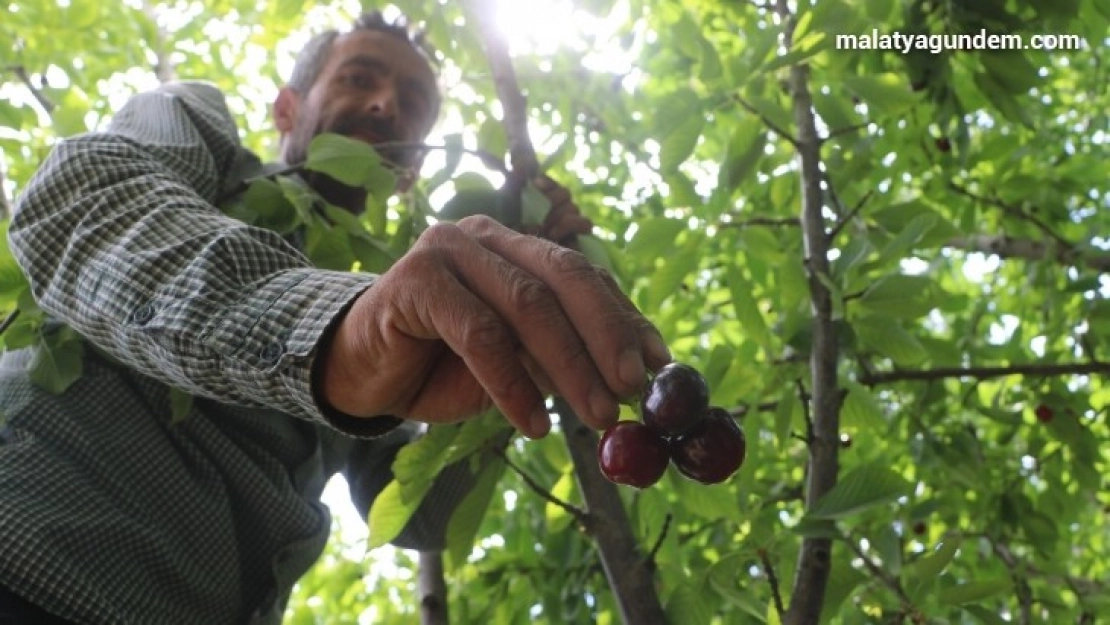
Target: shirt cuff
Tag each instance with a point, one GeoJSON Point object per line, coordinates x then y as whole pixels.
{"type": "Point", "coordinates": [270, 340]}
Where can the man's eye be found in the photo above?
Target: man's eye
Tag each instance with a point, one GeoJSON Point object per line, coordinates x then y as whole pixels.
{"type": "Point", "coordinates": [359, 80]}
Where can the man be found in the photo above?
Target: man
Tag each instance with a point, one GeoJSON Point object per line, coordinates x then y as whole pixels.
{"type": "Point", "coordinates": [114, 514]}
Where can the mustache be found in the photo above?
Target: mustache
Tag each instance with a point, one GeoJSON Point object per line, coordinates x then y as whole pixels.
{"type": "Point", "coordinates": [382, 131]}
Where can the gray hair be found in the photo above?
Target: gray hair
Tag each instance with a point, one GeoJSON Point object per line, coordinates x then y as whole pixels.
{"type": "Point", "coordinates": [311, 60]}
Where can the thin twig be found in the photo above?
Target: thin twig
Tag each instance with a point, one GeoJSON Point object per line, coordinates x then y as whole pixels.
{"type": "Point", "coordinates": [25, 78]}
{"type": "Point", "coordinates": [773, 580]}
{"type": "Point", "coordinates": [579, 514]}
{"type": "Point", "coordinates": [1022, 589]}
{"type": "Point", "coordinates": [662, 535]}
{"type": "Point", "coordinates": [774, 222]}
{"type": "Point", "coordinates": [1014, 211]}
{"type": "Point", "coordinates": [982, 373]}
{"type": "Point", "coordinates": [845, 130]}
{"type": "Point", "coordinates": [888, 580]}
{"type": "Point", "coordinates": [767, 122]}
{"type": "Point", "coordinates": [9, 320]}
{"type": "Point", "coordinates": [804, 397]}
{"type": "Point", "coordinates": [851, 214]}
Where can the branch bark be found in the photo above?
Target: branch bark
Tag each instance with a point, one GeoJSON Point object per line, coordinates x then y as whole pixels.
{"type": "Point", "coordinates": [628, 570]}
{"type": "Point", "coordinates": [431, 588]}
{"type": "Point", "coordinates": [1029, 249]}
{"type": "Point", "coordinates": [626, 567]}
{"type": "Point", "coordinates": [522, 155]}
{"type": "Point", "coordinates": [982, 373]}
{"type": "Point", "coordinates": [815, 557]}
{"type": "Point", "coordinates": [25, 78]}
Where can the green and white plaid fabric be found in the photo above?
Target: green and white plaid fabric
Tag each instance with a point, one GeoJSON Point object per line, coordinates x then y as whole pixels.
{"type": "Point", "coordinates": [109, 511]}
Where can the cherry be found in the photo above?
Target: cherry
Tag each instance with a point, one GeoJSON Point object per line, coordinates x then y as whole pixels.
{"type": "Point", "coordinates": [633, 454]}
{"type": "Point", "coordinates": [712, 450]}
{"type": "Point", "coordinates": [676, 399]}
{"type": "Point", "coordinates": [919, 528]}
{"type": "Point", "coordinates": [944, 144]}
{"type": "Point", "coordinates": [1044, 413]}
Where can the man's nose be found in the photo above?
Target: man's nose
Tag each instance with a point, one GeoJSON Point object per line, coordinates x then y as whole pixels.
{"type": "Point", "coordinates": [383, 104]}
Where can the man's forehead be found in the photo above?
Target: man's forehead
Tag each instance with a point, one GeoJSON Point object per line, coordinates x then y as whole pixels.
{"type": "Point", "coordinates": [398, 54]}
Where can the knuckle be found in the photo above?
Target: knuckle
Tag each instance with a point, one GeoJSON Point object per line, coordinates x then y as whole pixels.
{"type": "Point", "coordinates": [484, 334]}
{"type": "Point", "coordinates": [569, 262]}
{"type": "Point", "coordinates": [532, 297]}
{"type": "Point", "coordinates": [440, 234]}
{"type": "Point", "coordinates": [478, 225]}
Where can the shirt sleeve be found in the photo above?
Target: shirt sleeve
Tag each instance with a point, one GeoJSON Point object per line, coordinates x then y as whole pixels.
{"type": "Point", "coordinates": [119, 237]}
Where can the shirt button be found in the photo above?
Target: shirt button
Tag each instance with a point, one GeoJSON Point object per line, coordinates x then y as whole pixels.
{"type": "Point", "coordinates": [143, 314]}
{"type": "Point", "coordinates": [272, 352]}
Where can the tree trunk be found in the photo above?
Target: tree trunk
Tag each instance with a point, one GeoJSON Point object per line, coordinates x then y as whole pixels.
{"type": "Point", "coordinates": [431, 587]}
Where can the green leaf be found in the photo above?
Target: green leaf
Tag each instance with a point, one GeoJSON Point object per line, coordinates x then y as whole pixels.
{"type": "Point", "coordinates": [789, 408]}
{"type": "Point", "coordinates": [390, 512]}
{"type": "Point", "coordinates": [350, 161]}
{"type": "Point", "coordinates": [423, 458]}
{"type": "Point", "coordinates": [464, 523]}
{"type": "Point", "coordinates": [677, 145]}
{"type": "Point", "coordinates": [708, 502]}
{"type": "Point", "coordinates": [886, 336]}
{"type": "Point", "coordinates": [687, 605]}
{"type": "Point", "coordinates": [556, 517]}
{"type": "Point", "coordinates": [928, 568]}
{"type": "Point", "coordinates": [654, 233]}
{"type": "Point", "coordinates": [534, 205]}
{"type": "Point", "coordinates": [1003, 102]}
{"type": "Point", "coordinates": [329, 248]}
{"type": "Point", "coordinates": [984, 615]}
{"type": "Point", "coordinates": [861, 410]}
{"type": "Point", "coordinates": [467, 202]}
{"type": "Point", "coordinates": [58, 360]}
{"type": "Point", "coordinates": [751, 320]}
{"type": "Point", "coordinates": [862, 488]}
{"type": "Point", "coordinates": [906, 296]}
{"type": "Point", "coordinates": [887, 93]}
{"type": "Point", "coordinates": [974, 591]}
{"type": "Point", "coordinates": [745, 148]}
{"type": "Point", "coordinates": [269, 207]}
{"type": "Point", "coordinates": [804, 49]}
{"type": "Point", "coordinates": [10, 115]}
{"type": "Point", "coordinates": [180, 405]}
{"type": "Point", "coordinates": [492, 137]}
{"type": "Point", "coordinates": [724, 577]}
{"type": "Point", "coordinates": [909, 237]}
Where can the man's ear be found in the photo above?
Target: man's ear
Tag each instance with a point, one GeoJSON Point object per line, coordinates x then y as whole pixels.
{"type": "Point", "coordinates": [285, 109]}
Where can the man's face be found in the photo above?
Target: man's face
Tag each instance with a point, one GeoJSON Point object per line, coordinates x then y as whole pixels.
{"type": "Point", "coordinates": [374, 87]}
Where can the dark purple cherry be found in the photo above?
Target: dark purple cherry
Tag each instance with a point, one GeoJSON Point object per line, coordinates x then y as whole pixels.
{"type": "Point", "coordinates": [633, 454]}
{"type": "Point", "coordinates": [676, 399]}
{"type": "Point", "coordinates": [712, 450]}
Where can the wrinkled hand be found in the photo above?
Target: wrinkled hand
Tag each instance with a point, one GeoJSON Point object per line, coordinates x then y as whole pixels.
{"type": "Point", "coordinates": [477, 315]}
{"type": "Point", "coordinates": [564, 221]}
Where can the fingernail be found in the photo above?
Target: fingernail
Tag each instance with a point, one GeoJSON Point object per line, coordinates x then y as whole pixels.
{"type": "Point", "coordinates": [656, 348]}
{"type": "Point", "coordinates": [603, 407]}
{"type": "Point", "coordinates": [539, 422]}
{"type": "Point", "coordinates": [631, 368]}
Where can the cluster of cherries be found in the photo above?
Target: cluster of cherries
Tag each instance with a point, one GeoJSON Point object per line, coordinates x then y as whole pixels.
{"type": "Point", "coordinates": [704, 442]}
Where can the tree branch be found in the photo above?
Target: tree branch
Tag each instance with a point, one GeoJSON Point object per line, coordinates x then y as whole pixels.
{"type": "Point", "coordinates": [628, 572]}
{"type": "Point", "coordinates": [815, 556]}
{"type": "Point", "coordinates": [1007, 247]}
{"type": "Point", "coordinates": [521, 153]}
{"type": "Point", "coordinates": [431, 588]}
{"type": "Point", "coordinates": [982, 373]}
{"type": "Point", "coordinates": [762, 221]}
{"type": "Point", "coordinates": [25, 78]}
{"type": "Point", "coordinates": [1014, 211]}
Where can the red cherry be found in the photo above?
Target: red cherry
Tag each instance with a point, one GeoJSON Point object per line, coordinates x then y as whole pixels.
{"type": "Point", "coordinates": [633, 454]}
{"type": "Point", "coordinates": [944, 144]}
{"type": "Point", "coordinates": [1044, 413]}
{"type": "Point", "coordinates": [920, 528]}
{"type": "Point", "coordinates": [675, 400]}
{"type": "Point", "coordinates": [712, 450]}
